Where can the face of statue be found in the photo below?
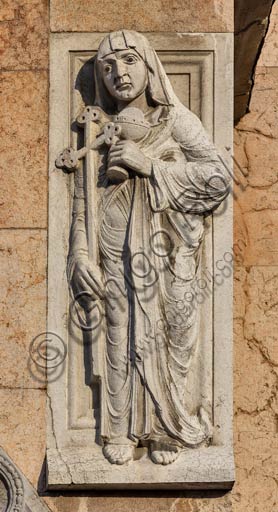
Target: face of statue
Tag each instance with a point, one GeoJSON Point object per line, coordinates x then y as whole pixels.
{"type": "Point", "coordinates": [124, 74]}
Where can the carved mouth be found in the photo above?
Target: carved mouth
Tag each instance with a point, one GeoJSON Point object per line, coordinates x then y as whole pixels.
{"type": "Point", "coordinates": [123, 87]}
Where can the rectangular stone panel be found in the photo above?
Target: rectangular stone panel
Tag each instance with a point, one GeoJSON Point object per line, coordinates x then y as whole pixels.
{"type": "Point", "coordinates": [200, 70]}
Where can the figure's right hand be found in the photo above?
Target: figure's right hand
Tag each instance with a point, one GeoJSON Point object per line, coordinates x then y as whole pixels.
{"type": "Point", "coordinates": [87, 281]}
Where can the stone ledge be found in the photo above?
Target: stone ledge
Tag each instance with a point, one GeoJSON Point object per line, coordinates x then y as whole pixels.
{"type": "Point", "coordinates": [78, 468]}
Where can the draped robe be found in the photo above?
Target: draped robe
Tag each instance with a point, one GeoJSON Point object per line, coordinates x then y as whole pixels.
{"type": "Point", "coordinates": [150, 237]}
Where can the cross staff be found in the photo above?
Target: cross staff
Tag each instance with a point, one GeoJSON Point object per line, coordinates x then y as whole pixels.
{"type": "Point", "coordinates": [69, 158]}
{"type": "Point", "coordinates": [92, 119]}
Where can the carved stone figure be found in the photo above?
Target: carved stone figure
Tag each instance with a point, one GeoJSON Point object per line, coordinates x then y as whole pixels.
{"type": "Point", "coordinates": [149, 176]}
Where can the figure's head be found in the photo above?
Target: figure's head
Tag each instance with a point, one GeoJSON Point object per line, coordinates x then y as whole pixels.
{"type": "Point", "coordinates": [126, 66]}
{"type": "Point", "coordinates": [124, 74]}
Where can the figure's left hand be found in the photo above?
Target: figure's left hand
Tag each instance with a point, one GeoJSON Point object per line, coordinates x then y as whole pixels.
{"type": "Point", "coordinates": [128, 154]}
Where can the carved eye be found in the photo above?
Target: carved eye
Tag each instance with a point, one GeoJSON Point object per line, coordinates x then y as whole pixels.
{"type": "Point", "coordinates": [107, 68]}
{"type": "Point", "coordinates": [131, 59]}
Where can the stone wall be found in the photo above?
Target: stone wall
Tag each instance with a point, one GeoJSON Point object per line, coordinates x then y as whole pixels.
{"type": "Point", "coordinates": [24, 138]}
{"type": "Point", "coordinates": [24, 81]}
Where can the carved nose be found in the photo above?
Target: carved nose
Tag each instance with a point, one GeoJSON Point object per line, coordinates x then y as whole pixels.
{"type": "Point", "coordinates": [120, 68]}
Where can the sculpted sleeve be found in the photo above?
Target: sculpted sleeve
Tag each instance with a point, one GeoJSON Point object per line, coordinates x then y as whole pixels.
{"type": "Point", "coordinates": [196, 180]}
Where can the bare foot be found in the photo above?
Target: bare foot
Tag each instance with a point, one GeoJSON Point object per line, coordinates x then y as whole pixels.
{"type": "Point", "coordinates": [164, 453]}
{"type": "Point", "coordinates": [118, 453]}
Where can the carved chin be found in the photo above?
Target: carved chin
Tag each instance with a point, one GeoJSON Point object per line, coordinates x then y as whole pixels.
{"type": "Point", "coordinates": [125, 94]}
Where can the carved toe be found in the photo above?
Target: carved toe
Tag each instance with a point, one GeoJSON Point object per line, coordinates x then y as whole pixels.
{"type": "Point", "coordinates": [164, 453]}
{"type": "Point", "coordinates": [118, 453]}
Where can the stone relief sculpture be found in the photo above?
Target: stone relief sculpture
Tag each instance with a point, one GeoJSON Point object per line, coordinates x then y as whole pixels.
{"type": "Point", "coordinates": [12, 499]}
{"type": "Point", "coordinates": [145, 179]}
{"type": "Point", "coordinates": [16, 493]}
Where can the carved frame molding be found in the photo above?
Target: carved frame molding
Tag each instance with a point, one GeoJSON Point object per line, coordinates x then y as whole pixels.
{"type": "Point", "coordinates": [13, 481]}
{"type": "Point", "coordinates": [21, 496]}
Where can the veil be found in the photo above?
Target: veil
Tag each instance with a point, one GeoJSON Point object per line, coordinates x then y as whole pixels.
{"type": "Point", "coordinates": [159, 87]}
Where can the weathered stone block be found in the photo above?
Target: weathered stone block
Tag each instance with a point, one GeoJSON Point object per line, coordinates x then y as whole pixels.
{"type": "Point", "coordinates": [253, 491]}
{"type": "Point", "coordinates": [261, 321]}
{"type": "Point", "coordinates": [262, 154]}
{"type": "Point", "coordinates": [23, 312]}
{"type": "Point", "coordinates": [252, 395]}
{"type": "Point", "coordinates": [240, 275]}
{"type": "Point", "coordinates": [262, 118]}
{"type": "Point", "coordinates": [269, 54]}
{"type": "Point", "coordinates": [22, 429]}
{"type": "Point", "coordinates": [102, 16]}
{"type": "Point", "coordinates": [7, 11]}
{"type": "Point", "coordinates": [262, 228]}
{"type": "Point", "coordinates": [256, 174]}
{"type": "Point", "coordinates": [255, 390]}
{"type": "Point", "coordinates": [251, 22]}
{"type": "Point", "coordinates": [24, 35]}
{"type": "Point", "coordinates": [24, 118]}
